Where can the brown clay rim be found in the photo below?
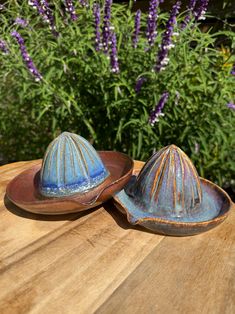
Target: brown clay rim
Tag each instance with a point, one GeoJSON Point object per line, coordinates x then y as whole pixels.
{"type": "Point", "coordinates": [75, 197]}
{"type": "Point", "coordinates": [218, 218]}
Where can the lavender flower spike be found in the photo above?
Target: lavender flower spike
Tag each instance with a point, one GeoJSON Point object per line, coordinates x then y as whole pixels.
{"type": "Point", "coordinates": [3, 47]}
{"type": "Point", "coordinates": [157, 112]}
{"type": "Point", "coordinates": [21, 22]}
{"type": "Point", "coordinates": [151, 24]}
{"type": "Point", "coordinates": [44, 10]}
{"type": "Point", "coordinates": [200, 11]}
{"type": "Point", "coordinates": [69, 7]}
{"type": "Point", "coordinates": [50, 17]}
{"type": "Point", "coordinates": [106, 30]}
{"type": "Point", "coordinates": [96, 13]}
{"type": "Point", "coordinates": [137, 28]}
{"type": "Point", "coordinates": [190, 9]}
{"type": "Point", "coordinates": [25, 56]}
{"type": "Point", "coordinates": [139, 84]}
{"type": "Point", "coordinates": [231, 106]}
{"type": "Point", "coordinates": [166, 45]}
{"type": "Point", "coordinates": [37, 5]}
{"type": "Point", "coordinates": [113, 54]}
{"type": "Point", "coordinates": [84, 3]}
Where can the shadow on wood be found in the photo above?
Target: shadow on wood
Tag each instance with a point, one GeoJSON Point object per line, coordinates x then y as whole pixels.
{"type": "Point", "coordinates": [120, 219]}
{"type": "Point", "coordinates": [22, 213]}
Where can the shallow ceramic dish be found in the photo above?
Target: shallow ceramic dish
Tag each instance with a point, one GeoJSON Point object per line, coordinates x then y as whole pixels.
{"type": "Point", "coordinates": [212, 210]}
{"type": "Point", "coordinates": [24, 190]}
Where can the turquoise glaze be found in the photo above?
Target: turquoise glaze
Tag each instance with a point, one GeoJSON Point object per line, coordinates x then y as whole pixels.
{"type": "Point", "coordinates": [168, 187]}
{"type": "Point", "coordinates": [70, 165]}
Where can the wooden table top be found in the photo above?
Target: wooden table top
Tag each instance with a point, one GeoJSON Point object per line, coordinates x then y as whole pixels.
{"type": "Point", "coordinates": [95, 262]}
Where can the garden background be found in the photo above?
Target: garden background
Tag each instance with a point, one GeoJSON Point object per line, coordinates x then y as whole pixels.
{"type": "Point", "coordinates": [132, 76]}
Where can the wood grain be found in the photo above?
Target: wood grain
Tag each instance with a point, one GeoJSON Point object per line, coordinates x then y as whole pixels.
{"type": "Point", "coordinates": [95, 262]}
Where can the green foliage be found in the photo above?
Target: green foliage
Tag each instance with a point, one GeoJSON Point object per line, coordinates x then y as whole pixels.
{"type": "Point", "coordinates": [80, 94]}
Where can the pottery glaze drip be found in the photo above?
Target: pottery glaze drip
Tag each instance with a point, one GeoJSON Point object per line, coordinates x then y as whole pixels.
{"type": "Point", "coordinates": [70, 165]}
{"type": "Point", "coordinates": [168, 186]}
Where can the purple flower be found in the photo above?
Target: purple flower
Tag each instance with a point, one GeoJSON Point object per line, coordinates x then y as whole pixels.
{"type": "Point", "coordinates": [233, 70]}
{"type": "Point", "coordinates": [190, 9]}
{"type": "Point", "coordinates": [69, 7]}
{"type": "Point", "coordinates": [231, 106]}
{"type": "Point", "coordinates": [166, 45]}
{"type": "Point", "coordinates": [201, 9]}
{"type": "Point", "coordinates": [25, 56]}
{"type": "Point", "coordinates": [137, 28]}
{"type": "Point", "coordinates": [106, 30]}
{"type": "Point", "coordinates": [44, 10]}
{"type": "Point", "coordinates": [21, 22]}
{"type": "Point", "coordinates": [139, 84]}
{"type": "Point", "coordinates": [157, 112]}
{"type": "Point", "coordinates": [37, 5]}
{"type": "Point", "coordinates": [151, 24]}
{"type": "Point", "coordinates": [113, 54]}
{"type": "Point", "coordinates": [96, 13]}
{"type": "Point", "coordinates": [84, 3]}
{"type": "Point", "coordinates": [50, 17]}
{"type": "Point", "coordinates": [3, 47]}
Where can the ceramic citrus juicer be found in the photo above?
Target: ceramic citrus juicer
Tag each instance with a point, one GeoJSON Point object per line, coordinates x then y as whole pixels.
{"type": "Point", "coordinates": [169, 197]}
{"type": "Point", "coordinates": [70, 165]}
{"type": "Point", "coordinates": [72, 177]}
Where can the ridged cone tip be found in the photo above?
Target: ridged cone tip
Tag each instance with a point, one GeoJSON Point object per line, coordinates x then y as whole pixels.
{"type": "Point", "coordinates": [70, 165]}
{"type": "Point", "coordinates": [168, 185]}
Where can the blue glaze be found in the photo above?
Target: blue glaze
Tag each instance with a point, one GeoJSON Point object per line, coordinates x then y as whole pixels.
{"type": "Point", "coordinates": [70, 165]}
{"type": "Point", "coordinates": [168, 184]}
{"type": "Point", "coordinates": [208, 209]}
{"type": "Point", "coordinates": [168, 187]}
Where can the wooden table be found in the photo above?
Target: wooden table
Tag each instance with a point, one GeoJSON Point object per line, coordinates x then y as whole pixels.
{"type": "Point", "coordinates": [95, 262]}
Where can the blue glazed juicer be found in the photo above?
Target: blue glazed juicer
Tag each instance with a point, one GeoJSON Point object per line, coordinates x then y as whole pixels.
{"type": "Point", "coordinates": [70, 165]}
{"type": "Point", "coordinates": [169, 197]}
{"type": "Point", "coordinates": [72, 177]}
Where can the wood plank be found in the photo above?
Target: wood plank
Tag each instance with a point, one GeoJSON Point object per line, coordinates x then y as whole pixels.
{"type": "Point", "coordinates": [87, 261]}
{"type": "Point", "coordinates": [182, 275]}
{"type": "Point", "coordinates": [12, 170]}
{"type": "Point", "coordinates": [19, 229]}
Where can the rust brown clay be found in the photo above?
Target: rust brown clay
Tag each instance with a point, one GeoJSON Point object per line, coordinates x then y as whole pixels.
{"type": "Point", "coordinates": [24, 192]}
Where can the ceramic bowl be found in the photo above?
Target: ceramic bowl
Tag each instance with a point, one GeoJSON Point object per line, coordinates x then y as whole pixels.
{"type": "Point", "coordinates": [167, 196]}
{"type": "Point", "coordinates": [72, 177]}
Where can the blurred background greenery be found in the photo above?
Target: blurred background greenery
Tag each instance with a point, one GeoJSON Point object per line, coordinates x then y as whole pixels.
{"type": "Point", "coordinates": [80, 94]}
